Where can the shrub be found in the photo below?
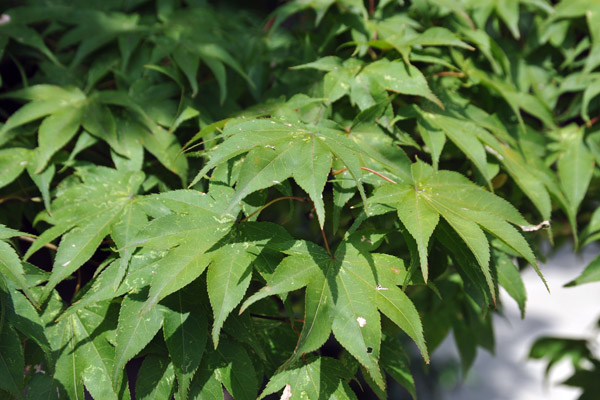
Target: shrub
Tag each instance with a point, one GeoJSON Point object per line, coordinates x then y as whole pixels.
{"type": "Point", "coordinates": [279, 198]}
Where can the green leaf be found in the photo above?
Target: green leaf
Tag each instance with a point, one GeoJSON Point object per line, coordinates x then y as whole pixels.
{"type": "Point", "coordinates": [205, 385]}
{"type": "Point", "coordinates": [185, 334]}
{"type": "Point", "coordinates": [228, 278]}
{"type": "Point", "coordinates": [233, 368]}
{"type": "Point", "coordinates": [278, 150]}
{"type": "Point", "coordinates": [95, 352]}
{"type": "Point", "coordinates": [134, 331]}
{"type": "Point", "coordinates": [68, 367]}
{"type": "Point", "coordinates": [12, 363]}
{"type": "Point", "coordinates": [311, 172]}
{"type": "Point", "coordinates": [318, 378]}
{"type": "Point", "coordinates": [11, 268]}
{"type": "Point", "coordinates": [55, 131]}
{"type": "Point", "coordinates": [508, 10]}
{"type": "Point", "coordinates": [52, 99]}
{"type": "Point", "coordinates": [575, 168]}
{"type": "Point", "coordinates": [396, 77]}
{"type": "Point", "coordinates": [415, 213]}
{"type": "Point", "coordinates": [343, 295]}
{"type": "Point", "coordinates": [155, 379]}
{"type": "Point", "coordinates": [25, 319]}
{"type": "Point", "coordinates": [591, 273]}
{"type": "Point", "coordinates": [90, 218]}
{"type": "Point", "coordinates": [12, 162]}
{"type": "Point", "coordinates": [510, 279]}
{"type": "Point", "coordinates": [396, 363]}
{"type": "Point", "coordinates": [464, 135]}
{"type": "Point", "coordinates": [465, 206]}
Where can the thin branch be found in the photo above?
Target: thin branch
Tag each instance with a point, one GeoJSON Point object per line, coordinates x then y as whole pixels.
{"type": "Point", "coordinates": [451, 73]}
{"type": "Point", "coordinates": [591, 122]}
{"type": "Point", "coordinates": [302, 199]}
{"type": "Point", "coordinates": [31, 240]}
{"type": "Point", "coordinates": [20, 198]}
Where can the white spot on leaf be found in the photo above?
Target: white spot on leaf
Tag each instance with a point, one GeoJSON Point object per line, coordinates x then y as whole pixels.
{"type": "Point", "coordinates": [4, 19]}
{"type": "Point", "coordinates": [287, 392]}
{"type": "Point", "coordinates": [361, 321]}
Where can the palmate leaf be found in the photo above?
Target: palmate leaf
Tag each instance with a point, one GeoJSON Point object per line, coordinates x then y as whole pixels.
{"type": "Point", "coordinates": [45, 100]}
{"type": "Point", "coordinates": [395, 35]}
{"type": "Point", "coordinates": [88, 212]}
{"type": "Point", "coordinates": [343, 294]}
{"type": "Point", "coordinates": [468, 209]}
{"type": "Point", "coordinates": [84, 357]}
{"type": "Point", "coordinates": [188, 234]}
{"type": "Point", "coordinates": [365, 82]}
{"type": "Point", "coordinates": [482, 130]}
{"type": "Point", "coordinates": [278, 150]}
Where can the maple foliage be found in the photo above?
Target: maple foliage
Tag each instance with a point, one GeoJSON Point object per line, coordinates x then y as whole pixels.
{"type": "Point", "coordinates": [222, 193]}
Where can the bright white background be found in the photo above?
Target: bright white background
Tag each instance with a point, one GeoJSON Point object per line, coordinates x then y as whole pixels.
{"type": "Point", "coordinates": [570, 312]}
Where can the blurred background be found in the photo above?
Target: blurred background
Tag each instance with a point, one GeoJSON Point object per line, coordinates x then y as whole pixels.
{"type": "Point", "coordinates": [569, 312]}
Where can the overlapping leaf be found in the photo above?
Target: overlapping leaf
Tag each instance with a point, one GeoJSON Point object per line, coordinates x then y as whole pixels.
{"type": "Point", "coordinates": [468, 209]}
{"type": "Point", "coordinates": [343, 295]}
{"type": "Point", "coordinates": [277, 150]}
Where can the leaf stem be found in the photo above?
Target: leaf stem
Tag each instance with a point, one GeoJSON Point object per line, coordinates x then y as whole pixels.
{"type": "Point", "coordinates": [302, 199]}
{"type": "Point", "coordinates": [78, 286]}
{"type": "Point", "coordinates": [379, 175]}
{"type": "Point", "coordinates": [325, 240]}
{"type": "Point", "coordinates": [339, 171]}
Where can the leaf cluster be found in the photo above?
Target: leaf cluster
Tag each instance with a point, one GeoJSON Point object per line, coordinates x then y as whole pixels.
{"type": "Point", "coordinates": [301, 198]}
